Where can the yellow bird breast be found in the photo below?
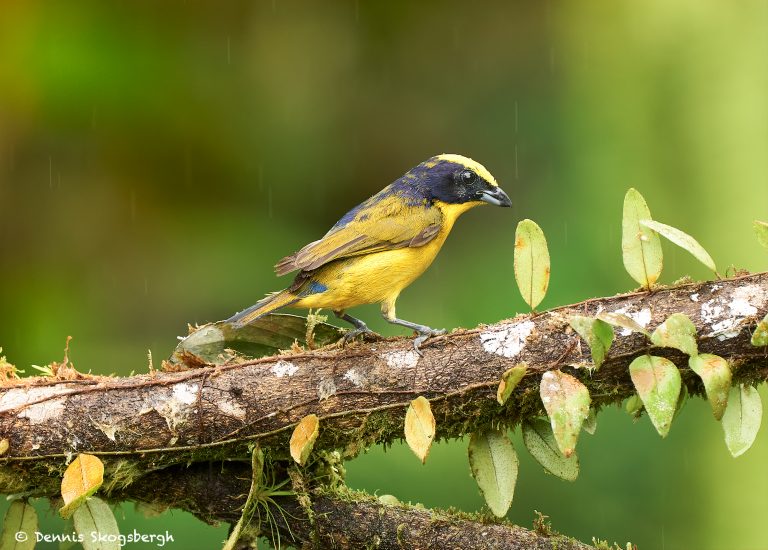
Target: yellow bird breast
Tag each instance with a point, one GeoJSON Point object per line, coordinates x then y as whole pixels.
{"type": "Point", "coordinates": [371, 278]}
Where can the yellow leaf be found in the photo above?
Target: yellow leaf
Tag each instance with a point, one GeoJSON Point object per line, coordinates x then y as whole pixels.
{"type": "Point", "coordinates": [303, 438]}
{"type": "Point", "coordinates": [82, 478]}
{"type": "Point", "coordinates": [420, 427]}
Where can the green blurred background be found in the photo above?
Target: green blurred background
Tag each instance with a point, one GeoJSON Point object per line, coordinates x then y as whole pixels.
{"type": "Point", "coordinates": [157, 158]}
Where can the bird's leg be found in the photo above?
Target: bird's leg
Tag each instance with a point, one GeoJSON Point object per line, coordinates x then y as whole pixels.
{"type": "Point", "coordinates": [360, 327]}
{"type": "Point", "coordinates": [425, 332]}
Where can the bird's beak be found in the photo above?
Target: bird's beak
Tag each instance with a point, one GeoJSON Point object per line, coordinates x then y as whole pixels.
{"type": "Point", "coordinates": [496, 196]}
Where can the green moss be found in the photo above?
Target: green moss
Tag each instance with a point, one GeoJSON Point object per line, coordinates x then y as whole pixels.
{"type": "Point", "coordinates": [119, 474]}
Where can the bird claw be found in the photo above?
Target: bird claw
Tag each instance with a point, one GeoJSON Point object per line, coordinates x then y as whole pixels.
{"type": "Point", "coordinates": [424, 336]}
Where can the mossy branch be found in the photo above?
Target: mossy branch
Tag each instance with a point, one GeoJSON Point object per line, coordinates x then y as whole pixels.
{"type": "Point", "coordinates": [321, 513]}
{"type": "Point", "coordinates": [149, 422]}
{"type": "Point", "coordinates": [361, 393]}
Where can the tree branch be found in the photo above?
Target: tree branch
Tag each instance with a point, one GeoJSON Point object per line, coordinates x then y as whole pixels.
{"type": "Point", "coordinates": [341, 519]}
{"type": "Point", "coordinates": [360, 393]}
{"type": "Point", "coordinates": [148, 422]}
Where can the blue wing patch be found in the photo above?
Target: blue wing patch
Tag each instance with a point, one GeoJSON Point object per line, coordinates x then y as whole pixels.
{"type": "Point", "coordinates": [313, 288]}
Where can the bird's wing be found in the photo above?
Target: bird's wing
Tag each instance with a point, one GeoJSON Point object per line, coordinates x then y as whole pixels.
{"type": "Point", "coordinates": [377, 225]}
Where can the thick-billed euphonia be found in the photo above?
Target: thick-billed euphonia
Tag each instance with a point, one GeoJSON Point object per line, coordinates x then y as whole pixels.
{"type": "Point", "coordinates": [382, 245]}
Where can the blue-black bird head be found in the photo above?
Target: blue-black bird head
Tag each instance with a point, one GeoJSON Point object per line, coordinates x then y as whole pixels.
{"type": "Point", "coordinates": [455, 179]}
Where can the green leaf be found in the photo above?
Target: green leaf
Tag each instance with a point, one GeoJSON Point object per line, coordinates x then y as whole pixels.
{"type": "Point", "coordinates": [742, 417]}
{"type": "Point", "coordinates": [419, 427]}
{"type": "Point", "coordinates": [676, 332]}
{"type": "Point", "coordinates": [531, 262]}
{"type": "Point", "coordinates": [209, 344]}
{"type": "Point", "coordinates": [94, 519]}
{"type": "Point", "coordinates": [657, 382]}
{"type": "Point", "coordinates": [760, 336]}
{"type": "Point", "coordinates": [509, 381]}
{"type": "Point", "coordinates": [598, 334]}
{"type": "Point", "coordinates": [715, 372]}
{"type": "Point", "coordinates": [634, 407]}
{"type": "Point", "coordinates": [590, 424]}
{"type": "Point", "coordinates": [761, 230]}
{"type": "Point", "coordinates": [623, 321]}
{"type": "Point", "coordinates": [566, 401]}
{"type": "Point", "coordinates": [683, 240]}
{"type": "Point", "coordinates": [540, 442]}
{"type": "Point", "coordinates": [641, 246]}
{"type": "Point", "coordinates": [69, 527]}
{"type": "Point", "coordinates": [19, 527]}
{"type": "Point", "coordinates": [494, 464]}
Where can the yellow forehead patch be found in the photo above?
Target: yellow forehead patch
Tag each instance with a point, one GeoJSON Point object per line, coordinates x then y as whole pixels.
{"type": "Point", "coordinates": [478, 168]}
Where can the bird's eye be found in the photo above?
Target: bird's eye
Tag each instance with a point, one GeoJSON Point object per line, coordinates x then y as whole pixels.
{"type": "Point", "coordinates": [467, 176]}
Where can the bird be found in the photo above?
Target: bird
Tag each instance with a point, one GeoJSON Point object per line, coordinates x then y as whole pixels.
{"type": "Point", "coordinates": [382, 245]}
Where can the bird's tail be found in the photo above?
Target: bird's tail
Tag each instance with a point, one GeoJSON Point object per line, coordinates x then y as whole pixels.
{"type": "Point", "coordinates": [262, 307]}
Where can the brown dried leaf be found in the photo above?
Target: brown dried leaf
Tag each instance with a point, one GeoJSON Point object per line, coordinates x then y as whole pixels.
{"type": "Point", "coordinates": [303, 438]}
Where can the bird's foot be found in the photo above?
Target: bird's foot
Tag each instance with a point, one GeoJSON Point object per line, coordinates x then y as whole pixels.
{"type": "Point", "coordinates": [425, 335]}
{"type": "Point", "coordinates": [363, 331]}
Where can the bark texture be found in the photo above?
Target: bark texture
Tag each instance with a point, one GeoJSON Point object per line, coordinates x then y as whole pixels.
{"type": "Point", "coordinates": [361, 393]}
{"type": "Point", "coordinates": [340, 520]}
{"type": "Point", "coordinates": [145, 427]}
